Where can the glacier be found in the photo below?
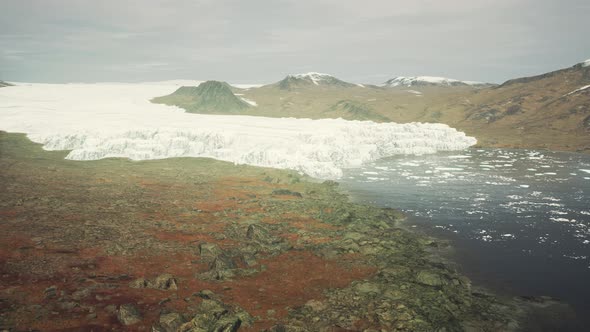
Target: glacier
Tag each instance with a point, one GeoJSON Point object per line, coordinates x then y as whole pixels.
{"type": "Point", "coordinates": [101, 120]}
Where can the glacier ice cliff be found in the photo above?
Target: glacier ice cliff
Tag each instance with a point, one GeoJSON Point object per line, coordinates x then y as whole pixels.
{"type": "Point", "coordinates": [97, 121]}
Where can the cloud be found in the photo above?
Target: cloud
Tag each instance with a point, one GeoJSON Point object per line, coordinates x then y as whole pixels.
{"type": "Point", "coordinates": [261, 40]}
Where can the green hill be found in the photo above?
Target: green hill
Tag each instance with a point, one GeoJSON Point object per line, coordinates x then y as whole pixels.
{"type": "Point", "coordinates": [211, 97]}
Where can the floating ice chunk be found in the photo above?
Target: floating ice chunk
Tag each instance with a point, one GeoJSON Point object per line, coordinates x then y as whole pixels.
{"type": "Point", "coordinates": [409, 164]}
{"type": "Point", "coordinates": [563, 219]}
{"type": "Point", "coordinates": [448, 169]}
{"type": "Point", "coordinates": [524, 186]}
{"type": "Point", "coordinates": [585, 170]}
{"type": "Point", "coordinates": [558, 212]}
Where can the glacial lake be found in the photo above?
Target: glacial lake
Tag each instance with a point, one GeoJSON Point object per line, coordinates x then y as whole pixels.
{"type": "Point", "coordinates": [519, 219]}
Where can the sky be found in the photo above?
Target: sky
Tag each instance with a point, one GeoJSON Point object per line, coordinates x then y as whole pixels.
{"type": "Point", "coordinates": [261, 41]}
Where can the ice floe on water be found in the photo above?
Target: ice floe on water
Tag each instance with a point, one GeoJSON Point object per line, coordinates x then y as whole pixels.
{"type": "Point", "coordinates": [117, 120]}
{"type": "Point", "coordinates": [536, 201]}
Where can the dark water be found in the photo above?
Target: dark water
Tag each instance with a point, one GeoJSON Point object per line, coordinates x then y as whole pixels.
{"type": "Point", "coordinates": [520, 219]}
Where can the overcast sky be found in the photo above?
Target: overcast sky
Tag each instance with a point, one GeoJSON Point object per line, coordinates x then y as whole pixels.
{"type": "Point", "coordinates": [260, 41]}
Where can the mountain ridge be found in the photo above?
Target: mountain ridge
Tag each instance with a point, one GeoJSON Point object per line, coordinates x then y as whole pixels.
{"type": "Point", "coordinates": [311, 79]}
{"type": "Point", "coordinates": [418, 81]}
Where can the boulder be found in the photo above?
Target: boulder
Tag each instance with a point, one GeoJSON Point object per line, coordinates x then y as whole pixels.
{"type": "Point", "coordinates": [430, 278]}
{"type": "Point", "coordinates": [164, 282]}
{"type": "Point", "coordinates": [209, 250]}
{"type": "Point", "coordinates": [128, 314]}
{"type": "Point", "coordinates": [170, 322]}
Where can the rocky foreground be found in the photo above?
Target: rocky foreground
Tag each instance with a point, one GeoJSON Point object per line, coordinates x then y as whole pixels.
{"type": "Point", "coordinates": [201, 245]}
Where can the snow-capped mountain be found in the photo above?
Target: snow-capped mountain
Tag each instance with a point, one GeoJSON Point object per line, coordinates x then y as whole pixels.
{"type": "Point", "coordinates": [413, 81]}
{"type": "Point", "coordinates": [312, 79]}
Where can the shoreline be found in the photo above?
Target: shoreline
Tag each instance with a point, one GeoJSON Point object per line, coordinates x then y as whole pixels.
{"type": "Point", "coordinates": [167, 243]}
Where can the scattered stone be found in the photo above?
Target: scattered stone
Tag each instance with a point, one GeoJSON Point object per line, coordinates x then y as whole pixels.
{"type": "Point", "coordinates": [139, 283]}
{"type": "Point", "coordinates": [286, 328]}
{"type": "Point", "coordinates": [81, 294]}
{"type": "Point", "coordinates": [171, 322]}
{"type": "Point", "coordinates": [50, 292]}
{"type": "Point", "coordinates": [315, 305]}
{"type": "Point", "coordinates": [249, 260]}
{"type": "Point", "coordinates": [209, 250]}
{"type": "Point", "coordinates": [286, 192]}
{"type": "Point", "coordinates": [367, 288]}
{"type": "Point", "coordinates": [205, 294]}
{"type": "Point", "coordinates": [165, 282]}
{"type": "Point", "coordinates": [128, 314]}
{"type": "Point", "coordinates": [430, 278]}
{"type": "Point", "coordinates": [110, 308]}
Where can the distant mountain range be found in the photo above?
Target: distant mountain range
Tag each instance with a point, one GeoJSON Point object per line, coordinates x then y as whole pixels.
{"type": "Point", "coordinates": [551, 110]}
{"type": "Point", "coordinates": [311, 79]}
{"type": "Point", "coordinates": [419, 81]}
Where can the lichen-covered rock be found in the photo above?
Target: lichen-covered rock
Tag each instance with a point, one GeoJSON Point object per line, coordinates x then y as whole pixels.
{"type": "Point", "coordinates": [164, 282]}
{"type": "Point", "coordinates": [170, 322]}
{"type": "Point", "coordinates": [430, 278]}
{"type": "Point", "coordinates": [209, 250]}
{"type": "Point", "coordinates": [128, 314]}
{"type": "Point", "coordinates": [215, 316]}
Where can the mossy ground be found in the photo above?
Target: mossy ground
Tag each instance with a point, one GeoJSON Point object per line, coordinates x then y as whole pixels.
{"type": "Point", "coordinates": [76, 236]}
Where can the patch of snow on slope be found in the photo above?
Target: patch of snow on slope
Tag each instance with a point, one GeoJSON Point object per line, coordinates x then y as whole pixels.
{"type": "Point", "coordinates": [97, 121]}
{"type": "Point", "coordinates": [313, 76]}
{"type": "Point", "coordinates": [577, 90]}
{"type": "Point", "coordinates": [586, 63]}
{"type": "Point", "coordinates": [417, 80]}
{"type": "Point", "coordinates": [251, 102]}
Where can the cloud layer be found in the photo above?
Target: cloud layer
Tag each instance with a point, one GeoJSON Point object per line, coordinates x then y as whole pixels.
{"type": "Point", "coordinates": [262, 40]}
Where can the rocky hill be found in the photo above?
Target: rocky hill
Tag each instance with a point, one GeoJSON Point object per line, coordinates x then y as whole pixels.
{"type": "Point", "coordinates": [4, 84]}
{"type": "Point", "coordinates": [550, 110]}
{"type": "Point", "coordinates": [211, 97]}
{"type": "Point", "coordinates": [310, 80]}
